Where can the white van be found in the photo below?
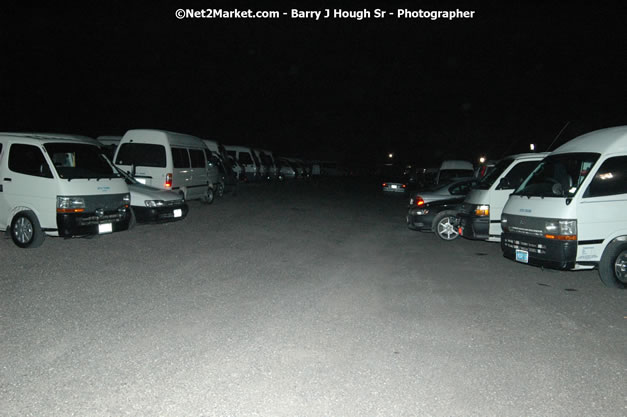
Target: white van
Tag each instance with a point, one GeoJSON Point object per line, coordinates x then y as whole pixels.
{"type": "Point", "coordinates": [246, 158]}
{"type": "Point", "coordinates": [480, 215]}
{"type": "Point", "coordinates": [58, 185]}
{"type": "Point", "coordinates": [451, 169]}
{"type": "Point", "coordinates": [571, 212]}
{"type": "Point", "coordinates": [167, 160]}
{"type": "Point", "coordinates": [267, 158]}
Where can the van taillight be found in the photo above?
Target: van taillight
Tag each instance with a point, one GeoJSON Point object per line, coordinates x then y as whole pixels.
{"type": "Point", "coordinates": [168, 181]}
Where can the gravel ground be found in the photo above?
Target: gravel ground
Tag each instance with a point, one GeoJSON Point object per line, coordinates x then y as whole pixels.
{"type": "Point", "coordinates": [302, 299]}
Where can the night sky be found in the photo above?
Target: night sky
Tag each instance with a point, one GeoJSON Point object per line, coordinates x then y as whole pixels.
{"type": "Point", "coordinates": [334, 89]}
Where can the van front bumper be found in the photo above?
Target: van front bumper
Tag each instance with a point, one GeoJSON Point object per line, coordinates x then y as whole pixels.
{"type": "Point", "coordinates": [83, 224]}
{"type": "Point", "coordinates": [473, 227]}
{"type": "Point", "coordinates": [548, 253]}
{"type": "Point", "coordinates": [160, 214]}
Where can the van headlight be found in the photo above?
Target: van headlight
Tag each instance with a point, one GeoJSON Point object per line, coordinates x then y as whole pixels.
{"type": "Point", "coordinates": [560, 229]}
{"type": "Point", "coordinates": [154, 203]}
{"type": "Point", "coordinates": [70, 204]}
{"type": "Point", "coordinates": [126, 200]}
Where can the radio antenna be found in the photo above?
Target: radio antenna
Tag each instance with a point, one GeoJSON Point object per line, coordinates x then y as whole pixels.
{"type": "Point", "coordinates": [558, 135]}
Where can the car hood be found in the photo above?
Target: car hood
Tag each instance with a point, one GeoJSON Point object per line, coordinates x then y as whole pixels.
{"type": "Point", "coordinates": [141, 192]}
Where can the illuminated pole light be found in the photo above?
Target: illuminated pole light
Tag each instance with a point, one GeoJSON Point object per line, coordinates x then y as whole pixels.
{"type": "Point", "coordinates": [532, 146]}
{"type": "Point", "coordinates": [482, 159]}
{"type": "Point", "coordinates": [390, 155]}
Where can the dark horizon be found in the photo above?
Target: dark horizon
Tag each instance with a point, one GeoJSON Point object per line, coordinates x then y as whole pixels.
{"type": "Point", "coordinates": [352, 90]}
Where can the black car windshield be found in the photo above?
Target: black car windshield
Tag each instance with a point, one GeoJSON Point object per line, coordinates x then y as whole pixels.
{"type": "Point", "coordinates": [487, 181]}
{"type": "Point", "coordinates": [79, 160]}
{"type": "Point", "coordinates": [558, 175]}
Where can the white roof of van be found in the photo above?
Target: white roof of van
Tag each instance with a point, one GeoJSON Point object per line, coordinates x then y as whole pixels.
{"type": "Point", "coordinates": [456, 164]}
{"type": "Point", "coordinates": [109, 138]}
{"type": "Point", "coordinates": [610, 140]}
{"type": "Point", "coordinates": [237, 148]}
{"type": "Point", "coordinates": [46, 137]}
{"type": "Point", "coordinates": [147, 134]}
{"type": "Point", "coordinates": [526, 155]}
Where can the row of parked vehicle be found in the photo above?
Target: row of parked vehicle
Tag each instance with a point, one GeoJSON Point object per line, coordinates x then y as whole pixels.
{"type": "Point", "coordinates": [566, 209]}
{"type": "Point", "coordinates": [65, 185]}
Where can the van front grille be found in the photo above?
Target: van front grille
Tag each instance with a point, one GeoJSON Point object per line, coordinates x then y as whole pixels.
{"type": "Point", "coordinates": [530, 247]}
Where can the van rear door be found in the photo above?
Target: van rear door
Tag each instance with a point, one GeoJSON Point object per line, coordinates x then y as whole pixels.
{"type": "Point", "coordinates": [146, 161]}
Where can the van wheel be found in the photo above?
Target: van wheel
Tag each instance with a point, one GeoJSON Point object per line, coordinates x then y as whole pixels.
{"type": "Point", "coordinates": [444, 226]}
{"type": "Point", "coordinates": [220, 190]}
{"type": "Point", "coordinates": [613, 265]}
{"type": "Point", "coordinates": [26, 231]}
{"type": "Point", "coordinates": [208, 197]}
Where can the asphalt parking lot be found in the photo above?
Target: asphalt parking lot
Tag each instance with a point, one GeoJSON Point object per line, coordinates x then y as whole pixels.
{"type": "Point", "coordinates": [302, 299]}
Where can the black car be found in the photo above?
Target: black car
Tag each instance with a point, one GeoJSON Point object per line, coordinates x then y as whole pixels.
{"type": "Point", "coordinates": [438, 217]}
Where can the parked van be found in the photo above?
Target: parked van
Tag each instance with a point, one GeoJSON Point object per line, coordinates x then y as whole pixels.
{"type": "Point", "coordinates": [451, 169]}
{"type": "Point", "coordinates": [571, 212]}
{"type": "Point", "coordinates": [286, 168]}
{"type": "Point", "coordinates": [167, 160]}
{"type": "Point", "coordinates": [267, 160]}
{"type": "Point", "coordinates": [246, 158]}
{"type": "Point", "coordinates": [58, 185]}
{"type": "Point", "coordinates": [274, 169]}
{"type": "Point", "coordinates": [480, 215]}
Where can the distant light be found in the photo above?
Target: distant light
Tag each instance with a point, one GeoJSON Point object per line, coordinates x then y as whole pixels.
{"type": "Point", "coordinates": [532, 146]}
{"type": "Point", "coordinates": [390, 155]}
{"type": "Point", "coordinates": [482, 159]}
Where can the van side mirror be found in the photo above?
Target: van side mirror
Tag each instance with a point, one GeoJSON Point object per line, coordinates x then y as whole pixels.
{"type": "Point", "coordinates": [505, 184]}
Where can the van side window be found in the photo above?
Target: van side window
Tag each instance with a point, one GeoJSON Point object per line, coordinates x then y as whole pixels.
{"type": "Point", "coordinates": [198, 158]}
{"type": "Point", "coordinates": [610, 179]}
{"type": "Point", "coordinates": [518, 173]}
{"type": "Point", "coordinates": [245, 159]}
{"type": "Point", "coordinates": [180, 158]}
{"type": "Point", "coordinates": [29, 160]}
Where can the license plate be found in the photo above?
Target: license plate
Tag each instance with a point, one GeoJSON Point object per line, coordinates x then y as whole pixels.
{"type": "Point", "coordinates": [105, 228]}
{"type": "Point", "coordinates": [394, 187]}
{"type": "Point", "coordinates": [141, 180]}
{"type": "Point", "coordinates": [522, 256]}
{"type": "Point", "coordinates": [178, 213]}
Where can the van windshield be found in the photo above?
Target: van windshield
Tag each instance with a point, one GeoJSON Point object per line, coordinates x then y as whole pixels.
{"type": "Point", "coordinates": [487, 181]}
{"type": "Point", "coordinates": [558, 175]}
{"type": "Point", "coordinates": [141, 154]}
{"type": "Point", "coordinates": [79, 160]}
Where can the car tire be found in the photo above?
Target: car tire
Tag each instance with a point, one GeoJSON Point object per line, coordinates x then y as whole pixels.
{"type": "Point", "coordinates": [444, 226]}
{"type": "Point", "coordinates": [26, 231]}
{"type": "Point", "coordinates": [209, 196]}
{"type": "Point", "coordinates": [613, 264]}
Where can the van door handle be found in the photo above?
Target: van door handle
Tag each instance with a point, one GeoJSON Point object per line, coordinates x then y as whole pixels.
{"type": "Point", "coordinates": [7, 179]}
